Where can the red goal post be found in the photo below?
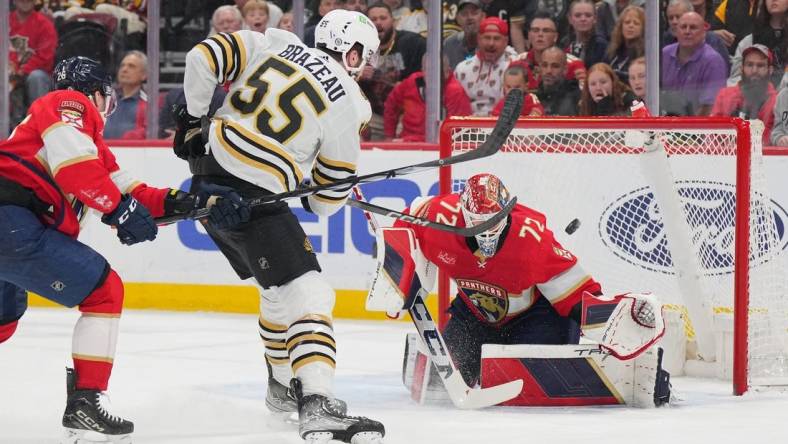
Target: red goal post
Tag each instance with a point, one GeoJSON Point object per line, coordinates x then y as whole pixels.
{"type": "Point", "coordinates": [699, 204]}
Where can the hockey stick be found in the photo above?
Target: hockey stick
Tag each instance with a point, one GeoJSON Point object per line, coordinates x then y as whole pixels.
{"type": "Point", "coordinates": [415, 220]}
{"type": "Point", "coordinates": [506, 121]}
{"type": "Point", "coordinates": [463, 396]}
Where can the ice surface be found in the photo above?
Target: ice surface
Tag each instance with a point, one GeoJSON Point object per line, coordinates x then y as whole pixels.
{"type": "Point", "coordinates": [200, 379]}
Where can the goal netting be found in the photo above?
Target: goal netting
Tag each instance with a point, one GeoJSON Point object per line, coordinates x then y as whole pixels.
{"type": "Point", "coordinates": [691, 221]}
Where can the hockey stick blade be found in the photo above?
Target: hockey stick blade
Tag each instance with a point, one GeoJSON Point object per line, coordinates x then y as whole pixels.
{"type": "Point", "coordinates": [503, 127]}
{"type": "Point", "coordinates": [460, 231]}
{"type": "Point", "coordinates": [461, 395]}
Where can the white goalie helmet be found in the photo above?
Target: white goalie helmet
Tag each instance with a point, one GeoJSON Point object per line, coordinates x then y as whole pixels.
{"type": "Point", "coordinates": [339, 30]}
{"type": "Point", "coordinates": [483, 197]}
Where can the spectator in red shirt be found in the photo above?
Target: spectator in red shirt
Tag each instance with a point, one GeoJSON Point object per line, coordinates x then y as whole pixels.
{"type": "Point", "coordinates": [516, 77]}
{"type": "Point", "coordinates": [406, 100]}
{"type": "Point", "coordinates": [754, 96]}
{"type": "Point", "coordinates": [32, 51]}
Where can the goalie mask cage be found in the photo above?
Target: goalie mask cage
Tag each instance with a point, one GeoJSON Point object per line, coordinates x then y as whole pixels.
{"type": "Point", "coordinates": [691, 222]}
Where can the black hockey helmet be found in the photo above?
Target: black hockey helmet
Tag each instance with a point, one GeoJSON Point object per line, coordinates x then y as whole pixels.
{"type": "Point", "coordinates": [84, 75]}
{"type": "Point", "coordinates": [87, 76]}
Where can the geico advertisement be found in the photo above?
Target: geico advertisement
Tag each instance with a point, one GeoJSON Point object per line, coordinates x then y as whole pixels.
{"type": "Point", "coordinates": [184, 253]}
{"type": "Point", "coordinates": [621, 226]}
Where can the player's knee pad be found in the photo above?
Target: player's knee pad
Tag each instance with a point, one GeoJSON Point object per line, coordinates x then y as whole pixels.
{"type": "Point", "coordinates": [7, 330]}
{"type": "Point", "coordinates": [308, 294]}
{"type": "Point", "coordinates": [106, 298]}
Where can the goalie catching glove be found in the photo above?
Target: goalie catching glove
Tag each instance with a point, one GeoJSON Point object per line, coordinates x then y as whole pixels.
{"type": "Point", "coordinates": [625, 325]}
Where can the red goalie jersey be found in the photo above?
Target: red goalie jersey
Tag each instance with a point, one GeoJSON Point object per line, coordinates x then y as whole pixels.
{"type": "Point", "coordinates": [529, 263]}
{"type": "Point", "coordinates": [58, 152]}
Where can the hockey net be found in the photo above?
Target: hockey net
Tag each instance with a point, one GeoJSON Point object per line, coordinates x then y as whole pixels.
{"type": "Point", "coordinates": [665, 222]}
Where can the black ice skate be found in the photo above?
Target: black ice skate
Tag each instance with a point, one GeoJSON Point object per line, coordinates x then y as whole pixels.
{"type": "Point", "coordinates": [321, 420]}
{"type": "Point", "coordinates": [281, 399]}
{"type": "Point", "coordinates": [88, 419]}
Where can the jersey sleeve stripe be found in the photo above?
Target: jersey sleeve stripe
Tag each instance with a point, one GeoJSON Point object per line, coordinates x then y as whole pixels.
{"type": "Point", "coordinates": [241, 51]}
{"type": "Point", "coordinates": [219, 50]}
{"type": "Point", "coordinates": [564, 285]}
{"type": "Point", "coordinates": [123, 180]}
{"type": "Point", "coordinates": [227, 49]}
{"type": "Point", "coordinates": [236, 56]}
{"type": "Point", "coordinates": [270, 147]}
{"type": "Point", "coordinates": [73, 161]}
{"type": "Point", "coordinates": [208, 53]}
{"type": "Point", "coordinates": [52, 127]}
{"type": "Point", "coordinates": [336, 164]}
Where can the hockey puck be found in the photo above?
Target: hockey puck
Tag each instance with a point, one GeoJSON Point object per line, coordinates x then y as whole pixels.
{"type": "Point", "coordinates": [573, 226]}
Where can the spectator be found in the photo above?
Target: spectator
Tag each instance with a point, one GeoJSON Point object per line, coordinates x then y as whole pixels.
{"type": "Point", "coordinates": [754, 96]}
{"type": "Point", "coordinates": [627, 42]}
{"type": "Point", "coordinates": [769, 31]}
{"type": "Point", "coordinates": [558, 96]}
{"type": "Point", "coordinates": [286, 22]}
{"type": "Point", "coordinates": [398, 10]}
{"type": "Point", "coordinates": [128, 119]}
{"type": "Point", "coordinates": [133, 11]}
{"type": "Point", "coordinates": [604, 94]}
{"type": "Point", "coordinates": [516, 77]}
{"type": "Point", "coordinates": [780, 130]}
{"type": "Point", "coordinates": [399, 56]}
{"type": "Point", "coordinates": [481, 76]}
{"type": "Point", "coordinates": [542, 34]}
{"type": "Point", "coordinates": [33, 41]}
{"type": "Point", "coordinates": [322, 8]}
{"type": "Point", "coordinates": [732, 20]}
{"type": "Point", "coordinates": [637, 77]}
{"type": "Point", "coordinates": [356, 5]}
{"type": "Point", "coordinates": [608, 12]}
{"type": "Point", "coordinates": [273, 12]}
{"type": "Point", "coordinates": [705, 8]}
{"type": "Point", "coordinates": [674, 11]}
{"type": "Point", "coordinates": [407, 101]}
{"type": "Point", "coordinates": [583, 41]}
{"type": "Point", "coordinates": [692, 72]}
{"type": "Point", "coordinates": [462, 45]}
{"type": "Point", "coordinates": [516, 14]}
{"type": "Point", "coordinates": [226, 18]}
{"type": "Point", "coordinates": [415, 20]}
{"type": "Point", "coordinates": [255, 14]}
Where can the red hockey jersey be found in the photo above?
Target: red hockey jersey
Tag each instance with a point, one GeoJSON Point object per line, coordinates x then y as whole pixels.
{"type": "Point", "coordinates": [529, 264]}
{"type": "Point", "coordinates": [59, 153]}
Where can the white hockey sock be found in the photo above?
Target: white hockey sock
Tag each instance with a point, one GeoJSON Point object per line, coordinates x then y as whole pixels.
{"type": "Point", "coordinates": [312, 350]}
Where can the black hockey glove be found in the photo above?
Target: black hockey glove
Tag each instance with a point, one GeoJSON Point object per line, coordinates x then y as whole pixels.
{"type": "Point", "coordinates": [228, 211]}
{"type": "Point", "coordinates": [132, 220]}
{"type": "Point", "coordinates": [188, 141]}
{"type": "Point", "coordinates": [180, 202]}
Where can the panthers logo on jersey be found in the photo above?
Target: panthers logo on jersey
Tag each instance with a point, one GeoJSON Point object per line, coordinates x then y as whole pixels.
{"type": "Point", "coordinates": [491, 302]}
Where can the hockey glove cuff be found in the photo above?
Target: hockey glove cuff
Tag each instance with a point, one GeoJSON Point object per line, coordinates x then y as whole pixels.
{"type": "Point", "coordinates": [132, 221]}
{"type": "Point", "coordinates": [228, 209]}
{"type": "Point", "coordinates": [188, 141]}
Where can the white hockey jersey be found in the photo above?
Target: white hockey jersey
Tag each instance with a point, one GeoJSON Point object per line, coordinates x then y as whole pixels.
{"type": "Point", "coordinates": [290, 111]}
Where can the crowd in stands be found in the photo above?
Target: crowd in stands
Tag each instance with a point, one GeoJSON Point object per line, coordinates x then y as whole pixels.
{"type": "Point", "coordinates": [571, 57]}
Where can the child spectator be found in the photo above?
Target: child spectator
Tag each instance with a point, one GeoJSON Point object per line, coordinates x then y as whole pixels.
{"type": "Point", "coordinates": [255, 13]}
{"type": "Point", "coordinates": [604, 94]}
{"type": "Point", "coordinates": [637, 77]}
{"type": "Point", "coordinates": [286, 22]}
{"type": "Point", "coordinates": [516, 77]}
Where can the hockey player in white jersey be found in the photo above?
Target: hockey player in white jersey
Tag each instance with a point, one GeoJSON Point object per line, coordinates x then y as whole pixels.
{"type": "Point", "coordinates": [291, 112]}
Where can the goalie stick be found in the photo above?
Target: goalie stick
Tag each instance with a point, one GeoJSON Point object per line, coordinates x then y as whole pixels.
{"type": "Point", "coordinates": [506, 121]}
{"type": "Point", "coordinates": [463, 396]}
